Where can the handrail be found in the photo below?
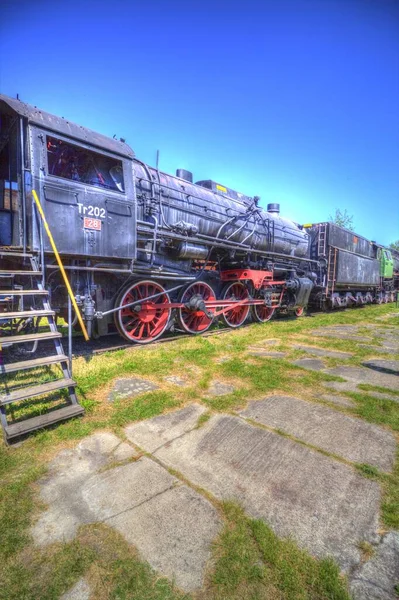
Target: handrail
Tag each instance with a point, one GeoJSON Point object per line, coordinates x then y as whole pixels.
{"type": "Point", "coordinates": [61, 266]}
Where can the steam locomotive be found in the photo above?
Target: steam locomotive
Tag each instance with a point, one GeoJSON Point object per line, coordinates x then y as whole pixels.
{"type": "Point", "coordinates": [148, 252]}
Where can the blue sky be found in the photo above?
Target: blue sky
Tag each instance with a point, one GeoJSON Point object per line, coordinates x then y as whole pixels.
{"type": "Point", "coordinates": [294, 101]}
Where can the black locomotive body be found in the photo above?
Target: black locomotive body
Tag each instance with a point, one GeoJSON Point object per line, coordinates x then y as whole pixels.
{"type": "Point", "coordinates": [144, 250]}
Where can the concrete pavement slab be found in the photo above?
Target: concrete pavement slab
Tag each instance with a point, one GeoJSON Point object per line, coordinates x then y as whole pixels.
{"type": "Point", "coordinates": [172, 525]}
{"type": "Point", "coordinates": [323, 352]}
{"type": "Point", "coordinates": [364, 375]}
{"type": "Point", "coordinates": [326, 428]}
{"type": "Point", "coordinates": [127, 387]}
{"type": "Point", "coordinates": [378, 578]}
{"type": "Point", "coordinates": [325, 505]}
{"type": "Point", "coordinates": [311, 364]}
{"type": "Point", "coordinates": [155, 432]}
{"type": "Point", "coordinates": [336, 399]}
{"type": "Point", "coordinates": [173, 532]}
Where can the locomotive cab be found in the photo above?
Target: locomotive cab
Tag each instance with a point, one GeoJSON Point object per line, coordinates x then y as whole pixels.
{"type": "Point", "coordinates": [83, 179]}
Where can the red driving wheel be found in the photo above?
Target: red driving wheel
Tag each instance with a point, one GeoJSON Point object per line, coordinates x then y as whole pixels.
{"type": "Point", "coordinates": [191, 319]}
{"type": "Point", "coordinates": [262, 313]}
{"type": "Point", "coordinates": [299, 311]}
{"type": "Point", "coordinates": [146, 321]}
{"type": "Point", "coordinates": [237, 315]}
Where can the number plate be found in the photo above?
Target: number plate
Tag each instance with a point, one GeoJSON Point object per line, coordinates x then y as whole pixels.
{"type": "Point", "coordinates": [89, 223]}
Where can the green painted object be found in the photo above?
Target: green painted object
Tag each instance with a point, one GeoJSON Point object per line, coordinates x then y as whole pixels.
{"type": "Point", "coordinates": [386, 263]}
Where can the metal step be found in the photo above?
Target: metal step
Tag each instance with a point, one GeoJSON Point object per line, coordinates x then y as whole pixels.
{"type": "Point", "coordinates": [22, 254]}
{"type": "Point", "coordinates": [61, 414]}
{"type": "Point", "coordinates": [23, 292]}
{"type": "Point", "coordinates": [32, 364]}
{"type": "Point", "coordinates": [5, 273]}
{"type": "Point", "coordinates": [35, 390]}
{"type": "Point", "coordinates": [27, 314]}
{"type": "Point", "coordinates": [30, 337]}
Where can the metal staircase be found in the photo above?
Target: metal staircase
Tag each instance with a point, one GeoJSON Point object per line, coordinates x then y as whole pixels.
{"type": "Point", "coordinates": [37, 296]}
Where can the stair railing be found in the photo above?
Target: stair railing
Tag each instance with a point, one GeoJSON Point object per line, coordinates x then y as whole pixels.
{"type": "Point", "coordinates": [71, 296]}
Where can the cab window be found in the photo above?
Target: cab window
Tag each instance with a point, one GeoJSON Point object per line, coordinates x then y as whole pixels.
{"type": "Point", "coordinates": [387, 255]}
{"type": "Point", "coordinates": [72, 162]}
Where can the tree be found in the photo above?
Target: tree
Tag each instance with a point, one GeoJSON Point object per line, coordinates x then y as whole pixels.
{"type": "Point", "coordinates": [343, 219]}
{"type": "Point", "coordinates": [394, 245]}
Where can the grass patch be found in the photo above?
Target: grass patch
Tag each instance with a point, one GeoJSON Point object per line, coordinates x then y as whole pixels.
{"type": "Point", "coordinates": [252, 562]}
{"type": "Point", "coordinates": [143, 407]}
{"type": "Point", "coordinates": [113, 569]}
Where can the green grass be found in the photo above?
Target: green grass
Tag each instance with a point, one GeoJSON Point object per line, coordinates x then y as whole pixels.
{"type": "Point", "coordinates": [252, 562]}
{"type": "Point", "coordinates": [113, 569]}
{"type": "Point", "coordinates": [249, 561]}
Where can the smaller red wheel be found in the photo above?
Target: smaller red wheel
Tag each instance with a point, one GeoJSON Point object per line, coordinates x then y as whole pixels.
{"type": "Point", "coordinates": [237, 315]}
{"type": "Point", "coordinates": [299, 311]}
{"type": "Point", "coordinates": [145, 321]}
{"type": "Point", "coordinates": [194, 320]}
{"type": "Point", "coordinates": [262, 313]}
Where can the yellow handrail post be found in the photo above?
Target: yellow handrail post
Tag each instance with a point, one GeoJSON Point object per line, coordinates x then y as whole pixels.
{"type": "Point", "coordinates": [61, 266]}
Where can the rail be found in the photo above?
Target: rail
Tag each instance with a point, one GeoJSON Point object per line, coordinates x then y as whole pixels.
{"type": "Point", "coordinates": [61, 266]}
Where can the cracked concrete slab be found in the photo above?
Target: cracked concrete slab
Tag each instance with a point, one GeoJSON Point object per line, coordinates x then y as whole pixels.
{"type": "Point", "coordinates": [163, 429]}
{"type": "Point", "coordinates": [364, 375]}
{"type": "Point", "coordinates": [326, 428]}
{"type": "Point", "coordinates": [171, 525]}
{"type": "Point", "coordinates": [325, 505]}
{"type": "Point", "coordinates": [173, 532]}
{"type": "Point", "coordinates": [323, 352]}
{"type": "Point", "coordinates": [311, 364]}
{"type": "Point", "coordinates": [378, 578]}
{"type": "Point", "coordinates": [127, 387]}
{"type": "Point", "coordinates": [118, 490]}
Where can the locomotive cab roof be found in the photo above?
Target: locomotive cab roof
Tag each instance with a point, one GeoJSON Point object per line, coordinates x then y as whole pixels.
{"type": "Point", "coordinates": [60, 125]}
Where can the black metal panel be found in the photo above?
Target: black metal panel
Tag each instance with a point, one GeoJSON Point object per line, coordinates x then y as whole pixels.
{"type": "Point", "coordinates": [357, 270]}
{"type": "Point", "coordinates": [349, 240]}
{"type": "Point", "coordinates": [60, 125]}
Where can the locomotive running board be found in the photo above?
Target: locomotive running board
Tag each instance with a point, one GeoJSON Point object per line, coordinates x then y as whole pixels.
{"type": "Point", "coordinates": [16, 429]}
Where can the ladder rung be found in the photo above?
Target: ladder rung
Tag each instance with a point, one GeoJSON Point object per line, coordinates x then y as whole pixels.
{"type": "Point", "coordinates": [22, 254]}
{"type": "Point", "coordinates": [61, 414]}
{"type": "Point", "coordinates": [32, 364]}
{"type": "Point", "coordinates": [35, 390]}
{"type": "Point", "coordinates": [30, 337]}
{"type": "Point", "coordinates": [27, 313]}
{"type": "Point", "coordinates": [23, 292]}
{"type": "Point", "coordinates": [4, 273]}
